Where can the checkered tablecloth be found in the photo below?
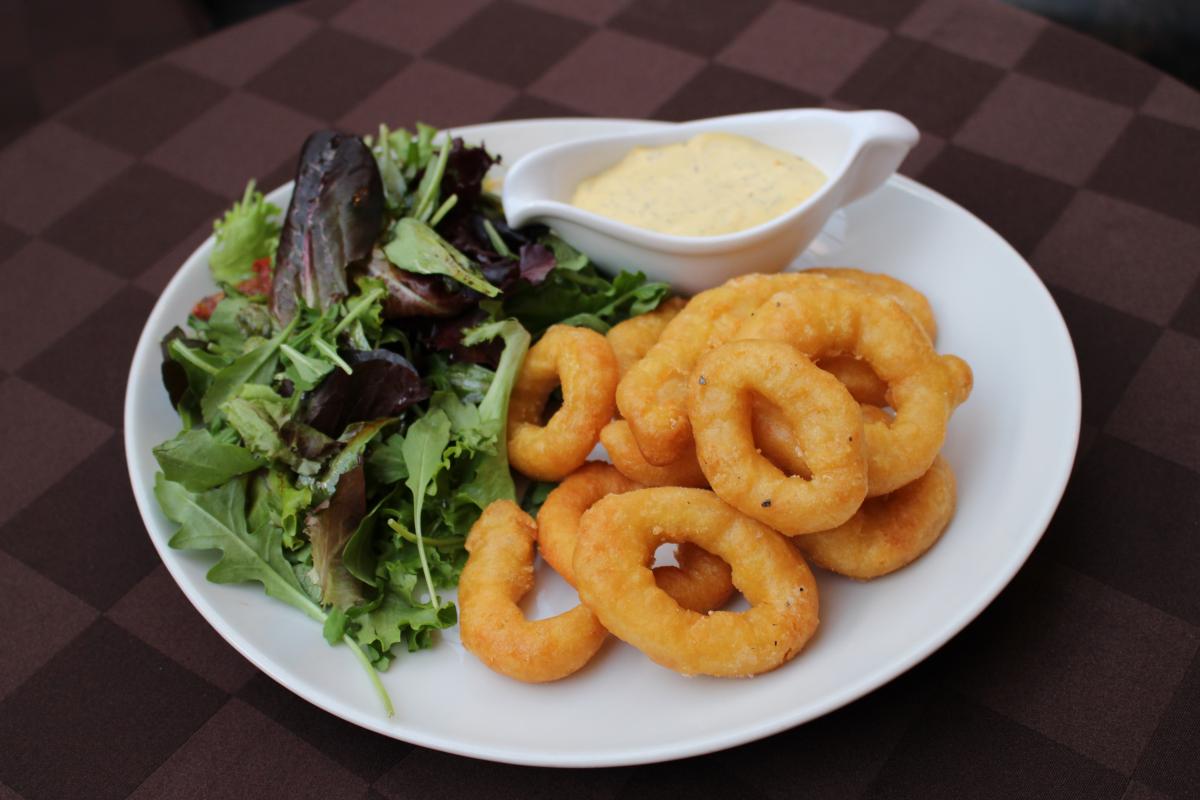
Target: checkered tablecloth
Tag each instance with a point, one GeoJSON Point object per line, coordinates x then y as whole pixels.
{"type": "Point", "coordinates": [1081, 681]}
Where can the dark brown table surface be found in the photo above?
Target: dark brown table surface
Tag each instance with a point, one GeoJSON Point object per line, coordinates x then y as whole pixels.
{"type": "Point", "coordinates": [1082, 679]}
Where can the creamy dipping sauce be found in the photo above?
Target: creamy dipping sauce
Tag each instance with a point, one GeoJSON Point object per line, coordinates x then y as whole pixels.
{"type": "Point", "coordinates": [714, 183]}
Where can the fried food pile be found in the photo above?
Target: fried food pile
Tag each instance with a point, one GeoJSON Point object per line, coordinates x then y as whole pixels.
{"type": "Point", "coordinates": [773, 421]}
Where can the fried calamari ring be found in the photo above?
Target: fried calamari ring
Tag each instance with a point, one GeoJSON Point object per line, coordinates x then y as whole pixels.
{"type": "Point", "coordinates": [771, 434]}
{"type": "Point", "coordinates": [774, 438]}
{"type": "Point", "coordinates": [888, 532]}
{"type": "Point", "coordinates": [558, 518]}
{"type": "Point", "coordinates": [652, 396]}
{"type": "Point", "coordinates": [860, 379]}
{"type": "Point", "coordinates": [923, 387]}
{"type": "Point", "coordinates": [622, 448]}
{"type": "Point", "coordinates": [581, 361]}
{"type": "Point", "coordinates": [617, 540]}
{"type": "Point", "coordinates": [701, 581]}
{"type": "Point", "coordinates": [913, 301]}
{"type": "Point", "coordinates": [857, 376]}
{"type": "Point", "coordinates": [499, 572]}
{"type": "Point", "coordinates": [634, 337]}
{"type": "Point", "coordinates": [824, 420]}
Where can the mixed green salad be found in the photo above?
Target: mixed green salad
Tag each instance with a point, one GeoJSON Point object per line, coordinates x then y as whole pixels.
{"type": "Point", "coordinates": [343, 396]}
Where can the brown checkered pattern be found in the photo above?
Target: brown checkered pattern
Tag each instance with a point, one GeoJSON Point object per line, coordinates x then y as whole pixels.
{"type": "Point", "coordinates": [1081, 681]}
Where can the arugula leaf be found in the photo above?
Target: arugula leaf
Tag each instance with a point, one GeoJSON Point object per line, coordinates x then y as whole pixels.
{"type": "Point", "coordinates": [466, 424]}
{"type": "Point", "coordinates": [359, 554]}
{"type": "Point", "coordinates": [385, 464]}
{"type": "Point", "coordinates": [468, 380]}
{"type": "Point", "coordinates": [422, 449]}
{"type": "Point", "coordinates": [187, 372]}
{"type": "Point", "coordinates": [583, 298]}
{"type": "Point", "coordinates": [248, 231]}
{"type": "Point", "coordinates": [391, 149]}
{"type": "Point", "coordinates": [418, 248]}
{"type": "Point", "coordinates": [629, 296]}
{"type": "Point", "coordinates": [255, 366]}
{"type": "Point", "coordinates": [304, 371]}
{"type": "Point", "coordinates": [257, 413]}
{"type": "Point", "coordinates": [565, 256]}
{"type": "Point", "coordinates": [233, 322]}
{"type": "Point", "coordinates": [492, 479]}
{"type": "Point", "coordinates": [216, 520]}
{"type": "Point", "coordinates": [199, 461]}
{"type": "Point", "coordinates": [430, 186]}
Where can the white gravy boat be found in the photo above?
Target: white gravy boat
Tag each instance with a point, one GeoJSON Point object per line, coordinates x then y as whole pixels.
{"type": "Point", "coordinates": [856, 150]}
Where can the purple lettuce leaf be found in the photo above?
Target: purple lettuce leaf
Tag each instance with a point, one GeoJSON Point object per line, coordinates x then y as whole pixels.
{"type": "Point", "coordinates": [333, 220]}
{"type": "Point", "coordinates": [446, 337]}
{"type": "Point", "coordinates": [382, 384]}
{"type": "Point", "coordinates": [536, 262]}
{"type": "Point", "coordinates": [329, 526]}
{"type": "Point", "coordinates": [465, 171]}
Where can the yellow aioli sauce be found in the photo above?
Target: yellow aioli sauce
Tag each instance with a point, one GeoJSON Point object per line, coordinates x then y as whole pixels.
{"type": "Point", "coordinates": [714, 183]}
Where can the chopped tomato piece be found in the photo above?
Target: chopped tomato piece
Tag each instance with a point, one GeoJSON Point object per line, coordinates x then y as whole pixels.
{"type": "Point", "coordinates": [260, 284]}
{"type": "Point", "coordinates": [204, 309]}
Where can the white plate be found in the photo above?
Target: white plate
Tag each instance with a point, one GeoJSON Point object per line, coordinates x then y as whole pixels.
{"type": "Point", "coordinates": [1012, 446]}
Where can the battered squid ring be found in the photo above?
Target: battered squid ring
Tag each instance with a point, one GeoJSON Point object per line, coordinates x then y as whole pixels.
{"type": "Point", "coordinates": [923, 387]}
{"type": "Point", "coordinates": [583, 363]}
{"type": "Point", "coordinates": [701, 581]}
{"type": "Point", "coordinates": [617, 540]}
{"type": "Point", "coordinates": [652, 396]}
{"type": "Point", "coordinates": [912, 301]}
{"type": "Point", "coordinates": [822, 416]}
{"type": "Point", "coordinates": [772, 436]}
{"type": "Point", "coordinates": [633, 338]}
{"type": "Point", "coordinates": [888, 532]}
{"type": "Point", "coordinates": [858, 377]}
{"type": "Point", "coordinates": [622, 448]}
{"type": "Point", "coordinates": [499, 572]}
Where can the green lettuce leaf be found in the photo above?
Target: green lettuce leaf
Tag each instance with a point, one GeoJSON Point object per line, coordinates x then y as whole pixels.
{"type": "Point", "coordinates": [234, 321]}
{"type": "Point", "coordinates": [416, 247]}
{"type": "Point", "coordinates": [492, 479]}
{"type": "Point", "coordinates": [216, 520]}
{"type": "Point", "coordinates": [256, 366]}
{"type": "Point", "coordinates": [423, 448]}
{"type": "Point", "coordinates": [199, 461]}
{"type": "Point", "coordinates": [304, 371]}
{"type": "Point", "coordinates": [401, 619]}
{"type": "Point", "coordinates": [584, 298]}
{"type": "Point", "coordinates": [248, 231]}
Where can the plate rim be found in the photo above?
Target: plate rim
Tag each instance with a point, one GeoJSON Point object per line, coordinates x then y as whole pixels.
{"type": "Point", "coordinates": [725, 738]}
